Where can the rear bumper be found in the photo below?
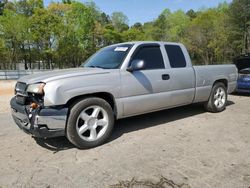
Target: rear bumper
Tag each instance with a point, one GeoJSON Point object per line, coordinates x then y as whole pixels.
{"type": "Point", "coordinates": [243, 87]}
{"type": "Point", "coordinates": [242, 90]}
{"type": "Point", "coordinates": [41, 123]}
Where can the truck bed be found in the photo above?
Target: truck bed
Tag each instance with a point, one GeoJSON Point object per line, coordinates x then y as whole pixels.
{"type": "Point", "coordinates": [206, 75]}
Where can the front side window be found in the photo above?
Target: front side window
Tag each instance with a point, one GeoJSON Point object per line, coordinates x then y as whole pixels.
{"type": "Point", "coordinates": [152, 57]}
{"type": "Point", "coordinates": [109, 57]}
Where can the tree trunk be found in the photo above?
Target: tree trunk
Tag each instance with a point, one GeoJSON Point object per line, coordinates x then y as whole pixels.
{"type": "Point", "coordinates": [246, 43]}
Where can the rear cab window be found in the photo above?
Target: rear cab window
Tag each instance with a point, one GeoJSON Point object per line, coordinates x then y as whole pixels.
{"type": "Point", "coordinates": [175, 56]}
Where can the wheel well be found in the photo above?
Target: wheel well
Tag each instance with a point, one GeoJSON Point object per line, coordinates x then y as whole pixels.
{"type": "Point", "coordinates": [224, 81]}
{"type": "Point", "coordinates": [103, 95]}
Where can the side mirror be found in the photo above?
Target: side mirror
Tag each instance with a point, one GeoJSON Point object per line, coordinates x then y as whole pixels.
{"type": "Point", "coordinates": [136, 65]}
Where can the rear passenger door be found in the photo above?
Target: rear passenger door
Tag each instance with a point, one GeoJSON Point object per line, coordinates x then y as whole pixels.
{"type": "Point", "coordinates": [182, 77]}
{"type": "Point", "coordinates": [145, 90]}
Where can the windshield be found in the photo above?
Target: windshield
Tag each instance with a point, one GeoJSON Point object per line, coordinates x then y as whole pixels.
{"type": "Point", "coordinates": [109, 57]}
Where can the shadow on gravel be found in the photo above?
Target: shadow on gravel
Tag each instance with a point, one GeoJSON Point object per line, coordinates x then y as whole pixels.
{"type": "Point", "coordinates": [229, 103]}
{"type": "Point", "coordinates": [55, 144]}
{"type": "Point", "coordinates": [153, 119]}
{"type": "Point", "coordinates": [132, 124]}
{"type": "Point", "coordinates": [241, 94]}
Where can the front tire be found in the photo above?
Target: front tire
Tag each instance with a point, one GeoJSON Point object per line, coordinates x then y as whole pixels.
{"type": "Point", "coordinates": [90, 123]}
{"type": "Point", "coordinates": [218, 98]}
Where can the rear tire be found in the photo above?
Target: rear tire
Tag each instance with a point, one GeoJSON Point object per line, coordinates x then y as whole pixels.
{"type": "Point", "coordinates": [218, 98]}
{"type": "Point", "coordinates": [90, 123]}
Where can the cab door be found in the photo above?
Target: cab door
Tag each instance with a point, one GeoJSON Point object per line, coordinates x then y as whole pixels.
{"type": "Point", "coordinates": [144, 90]}
{"type": "Point", "coordinates": [182, 76]}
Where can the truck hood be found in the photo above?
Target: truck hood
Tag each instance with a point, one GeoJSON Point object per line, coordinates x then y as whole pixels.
{"type": "Point", "coordinates": [61, 74]}
{"type": "Point", "coordinates": [242, 63]}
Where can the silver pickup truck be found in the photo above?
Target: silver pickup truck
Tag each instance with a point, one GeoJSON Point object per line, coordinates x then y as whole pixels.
{"type": "Point", "coordinates": [118, 81]}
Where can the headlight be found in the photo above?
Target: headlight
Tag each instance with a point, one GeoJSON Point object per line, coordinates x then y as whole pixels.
{"type": "Point", "coordinates": [36, 88]}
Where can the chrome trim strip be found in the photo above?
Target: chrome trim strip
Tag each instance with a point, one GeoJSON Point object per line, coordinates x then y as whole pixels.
{"type": "Point", "coordinates": [53, 118]}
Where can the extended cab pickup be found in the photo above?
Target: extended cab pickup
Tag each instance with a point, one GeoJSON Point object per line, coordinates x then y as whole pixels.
{"type": "Point", "coordinates": [118, 81]}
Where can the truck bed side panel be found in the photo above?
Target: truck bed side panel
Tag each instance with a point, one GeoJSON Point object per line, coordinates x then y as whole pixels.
{"type": "Point", "coordinates": [206, 76]}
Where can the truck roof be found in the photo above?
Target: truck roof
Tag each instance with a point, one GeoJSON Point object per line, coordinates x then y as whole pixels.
{"type": "Point", "coordinates": [148, 42]}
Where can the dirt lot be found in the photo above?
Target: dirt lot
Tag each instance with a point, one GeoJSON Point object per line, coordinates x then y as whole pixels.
{"type": "Point", "coordinates": [6, 91]}
{"type": "Point", "coordinates": [181, 147]}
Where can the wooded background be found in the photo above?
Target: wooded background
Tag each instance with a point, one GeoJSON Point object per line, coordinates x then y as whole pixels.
{"type": "Point", "coordinates": [65, 34]}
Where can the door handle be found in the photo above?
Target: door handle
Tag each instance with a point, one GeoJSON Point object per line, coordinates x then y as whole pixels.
{"type": "Point", "coordinates": [165, 77]}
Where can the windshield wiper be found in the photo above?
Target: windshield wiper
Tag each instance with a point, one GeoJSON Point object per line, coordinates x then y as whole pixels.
{"type": "Point", "coordinates": [96, 66]}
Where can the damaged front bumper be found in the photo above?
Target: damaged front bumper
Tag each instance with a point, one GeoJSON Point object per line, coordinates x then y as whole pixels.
{"type": "Point", "coordinates": [42, 123]}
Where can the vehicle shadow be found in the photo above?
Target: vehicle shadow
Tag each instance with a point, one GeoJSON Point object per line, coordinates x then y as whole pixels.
{"type": "Point", "coordinates": [132, 124]}
{"type": "Point", "coordinates": [156, 118]}
{"type": "Point", "coordinates": [241, 94]}
{"type": "Point", "coordinates": [55, 144]}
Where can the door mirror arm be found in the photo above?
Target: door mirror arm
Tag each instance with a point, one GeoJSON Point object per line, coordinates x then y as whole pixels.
{"type": "Point", "coordinates": [129, 69]}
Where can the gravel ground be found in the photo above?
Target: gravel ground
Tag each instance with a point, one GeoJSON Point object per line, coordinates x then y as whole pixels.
{"type": "Point", "coordinates": [6, 92]}
{"type": "Point", "coordinates": [181, 147]}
